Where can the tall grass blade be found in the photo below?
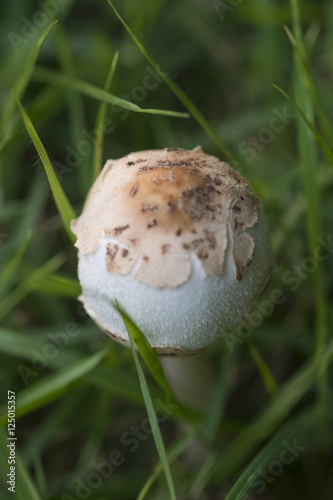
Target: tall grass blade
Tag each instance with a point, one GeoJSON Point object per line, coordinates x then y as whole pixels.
{"type": "Point", "coordinates": [266, 374]}
{"type": "Point", "coordinates": [146, 350]}
{"type": "Point", "coordinates": [309, 163]}
{"type": "Point", "coordinates": [98, 151]}
{"type": "Point", "coordinates": [153, 421]}
{"type": "Point", "coordinates": [75, 109]}
{"type": "Point", "coordinates": [25, 76]}
{"type": "Point", "coordinates": [299, 426]}
{"type": "Point", "coordinates": [276, 411]}
{"type": "Point", "coordinates": [64, 207]}
{"type": "Point", "coordinates": [33, 282]}
{"type": "Point", "coordinates": [192, 108]}
{"type": "Point", "coordinates": [90, 90]}
{"type": "Point", "coordinates": [53, 386]}
{"type": "Point", "coordinates": [25, 488]}
{"type": "Point", "coordinates": [322, 119]}
{"type": "Point", "coordinates": [11, 269]}
{"type": "Point", "coordinates": [325, 148]}
{"type": "Point", "coordinates": [173, 452]}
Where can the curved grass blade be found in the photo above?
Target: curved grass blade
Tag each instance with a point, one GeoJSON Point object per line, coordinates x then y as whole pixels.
{"type": "Point", "coordinates": [146, 350]}
{"type": "Point", "coordinates": [298, 426]}
{"type": "Point", "coordinates": [326, 150]}
{"type": "Point", "coordinates": [194, 111]}
{"type": "Point", "coordinates": [60, 286]}
{"type": "Point", "coordinates": [324, 123]}
{"type": "Point", "coordinates": [266, 422]}
{"type": "Point", "coordinates": [218, 399]}
{"type": "Point", "coordinates": [173, 453]}
{"type": "Point", "coordinates": [25, 489]}
{"type": "Point", "coordinates": [264, 371]}
{"type": "Point", "coordinates": [29, 284]}
{"type": "Point", "coordinates": [53, 78]}
{"type": "Point", "coordinates": [25, 75]}
{"type": "Point", "coordinates": [76, 112]}
{"type": "Point", "coordinates": [53, 386]}
{"type": "Point", "coordinates": [10, 270]}
{"type": "Point", "coordinates": [64, 207]}
{"type": "Point", "coordinates": [153, 420]}
{"type": "Point", "coordinates": [314, 219]}
{"type": "Point", "coordinates": [98, 152]}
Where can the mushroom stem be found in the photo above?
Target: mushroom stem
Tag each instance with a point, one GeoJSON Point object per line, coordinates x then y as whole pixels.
{"type": "Point", "coordinates": [190, 378]}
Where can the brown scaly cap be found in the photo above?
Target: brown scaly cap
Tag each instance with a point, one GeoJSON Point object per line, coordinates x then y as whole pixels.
{"type": "Point", "coordinates": [157, 206]}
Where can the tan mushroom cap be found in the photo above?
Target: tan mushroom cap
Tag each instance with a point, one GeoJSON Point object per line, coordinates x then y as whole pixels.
{"type": "Point", "coordinates": [155, 207]}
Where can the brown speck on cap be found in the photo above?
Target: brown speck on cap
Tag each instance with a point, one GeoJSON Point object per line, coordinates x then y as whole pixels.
{"type": "Point", "coordinates": [118, 230]}
{"type": "Point", "coordinates": [165, 248]}
{"type": "Point", "coordinates": [134, 190]}
{"type": "Point", "coordinates": [152, 223]}
{"type": "Point", "coordinates": [188, 192]}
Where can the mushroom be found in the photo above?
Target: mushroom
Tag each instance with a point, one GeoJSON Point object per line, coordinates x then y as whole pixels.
{"type": "Point", "coordinates": [178, 239]}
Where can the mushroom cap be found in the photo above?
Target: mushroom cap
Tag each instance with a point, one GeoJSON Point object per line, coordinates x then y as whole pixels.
{"type": "Point", "coordinates": [179, 240]}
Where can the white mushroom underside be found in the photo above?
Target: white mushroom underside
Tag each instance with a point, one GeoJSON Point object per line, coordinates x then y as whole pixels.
{"type": "Point", "coordinates": [187, 317]}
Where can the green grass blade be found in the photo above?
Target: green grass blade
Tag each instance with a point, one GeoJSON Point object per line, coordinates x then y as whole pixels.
{"type": "Point", "coordinates": [53, 386]}
{"type": "Point", "coordinates": [64, 207]}
{"type": "Point", "coordinates": [325, 148]}
{"type": "Point", "coordinates": [153, 421]}
{"type": "Point", "coordinates": [146, 350]}
{"type": "Point", "coordinates": [25, 76]}
{"type": "Point", "coordinates": [264, 371]}
{"type": "Point", "coordinates": [322, 119]}
{"type": "Point", "coordinates": [33, 282]}
{"type": "Point", "coordinates": [173, 452]}
{"type": "Point", "coordinates": [276, 411]}
{"type": "Point", "coordinates": [300, 425]}
{"type": "Point", "coordinates": [41, 481]}
{"type": "Point", "coordinates": [25, 489]}
{"type": "Point", "coordinates": [98, 151]}
{"type": "Point", "coordinates": [9, 272]}
{"type": "Point", "coordinates": [218, 399]}
{"type": "Point", "coordinates": [197, 115]}
{"type": "Point", "coordinates": [60, 286]}
{"type": "Point", "coordinates": [309, 162]}
{"type": "Point", "coordinates": [90, 90]}
{"type": "Point", "coordinates": [75, 108]}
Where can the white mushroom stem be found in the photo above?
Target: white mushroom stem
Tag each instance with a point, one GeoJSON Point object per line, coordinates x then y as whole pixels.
{"type": "Point", "coordinates": [190, 378]}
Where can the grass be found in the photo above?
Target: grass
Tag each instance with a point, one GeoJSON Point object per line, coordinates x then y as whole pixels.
{"type": "Point", "coordinates": [80, 397]}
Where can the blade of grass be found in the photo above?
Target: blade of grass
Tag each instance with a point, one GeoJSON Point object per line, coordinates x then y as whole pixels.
{"type": "Point", "coordinates": [153, 421]}
{"type": "Point", "coordinates": [146, 351]}
{"type": "Point", "coordinates": [25, 76]}
{"type": "Point", "coordinates": [264, 371]}
{"type": "Point", "coordinates": [10, 270]}
{"type": "Point", "coordinates": [268, 419]}
{"type": "Point", "coordinates": [98, 151]}
{"type": "Point", "coordinates": [90, 90]}
{"type": "Point", "coordinates": [29, 285]}
{"type": "Point", "coordinates": [75, 108]}
{"type": "Point", "coordinates": [322, 119]}
{"type": "Point", "coordinates": [299, 426]}
{"type": "Point", "coordinates": [64, 207]}
{"type": "Point", "coordinates": [40, 475]}
{"type": "Point", "coordinates": [326, 150]}
{"type": "Point", "coordinates": [218, 398]}
{"type": "Point", "coordinates": [25, 489]}
{"type": "Point", "coordinates": [53, 386]}
{"type": "Point", "coordinates": [309, 160]}
{"type": "Point", "coordinates": [61, 286]}
{"type": "Point", "coordinates": [173, 453]}
{"type": "Point", "coordinates": [197, 115]}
